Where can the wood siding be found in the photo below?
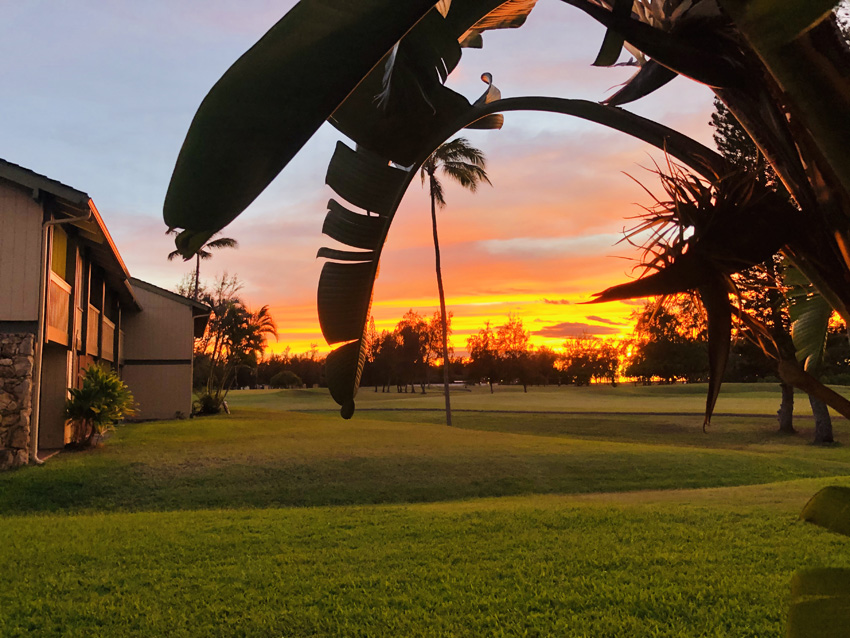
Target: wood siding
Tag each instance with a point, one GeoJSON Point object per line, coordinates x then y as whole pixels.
{"type": "Point", "coordinates": [163, 330]}
{"type": "Point", "coordinates": [20, 252]}
{"type": "Point", "coordinates": [161, 391]}
{"type": "Point", "coordinates": [54, 391]}
{"type": "Point", "coordinates": [158, 355]}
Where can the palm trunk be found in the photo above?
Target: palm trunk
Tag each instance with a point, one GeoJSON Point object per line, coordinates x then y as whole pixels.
{"type": "Point", "coordinates": [197, 276]}
{"type": "Point", "coordinates": [443, 320]}
{"type": "Point", "coordinates": [786, 409]}
{"type": "Point", "coordinates": [823, 422]}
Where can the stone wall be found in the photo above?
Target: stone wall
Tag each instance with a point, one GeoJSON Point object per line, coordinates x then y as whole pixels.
{"type": "Point", "coordinates": [16, 367]}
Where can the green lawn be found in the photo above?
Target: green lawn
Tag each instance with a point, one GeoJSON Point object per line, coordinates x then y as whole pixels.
{"type": "Point", "coordinates": [279, 523]}
{"type": "Point", "coordinates": [736, 398]}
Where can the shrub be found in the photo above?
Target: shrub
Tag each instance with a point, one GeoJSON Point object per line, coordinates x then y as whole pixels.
{"type": "Point", "coordinates": [206, 404]}
{"type": "Point", "coordinates": [286, 379]}
{"type": "Point", "coordinates": [93, 409]}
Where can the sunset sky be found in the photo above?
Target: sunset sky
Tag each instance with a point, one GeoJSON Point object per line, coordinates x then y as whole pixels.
{"type": "Point", "coordinates": [99, 95]}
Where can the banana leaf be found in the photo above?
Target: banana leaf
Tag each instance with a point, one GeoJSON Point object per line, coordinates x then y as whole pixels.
{"type": "Point", "coordinates": [249, 127]}
{"type": "Point", "coordinates": [810, 314]}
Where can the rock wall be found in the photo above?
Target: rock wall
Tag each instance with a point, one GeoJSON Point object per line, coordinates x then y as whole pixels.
{"type": "Point", "coordinates": [16, 367]}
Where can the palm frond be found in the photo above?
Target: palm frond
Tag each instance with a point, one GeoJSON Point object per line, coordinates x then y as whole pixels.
{"type": "Point", "coordinates": [223, 242]}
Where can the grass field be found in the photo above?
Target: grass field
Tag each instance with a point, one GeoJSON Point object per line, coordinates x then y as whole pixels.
{"type": "Point", "coordinates": [275, 522]}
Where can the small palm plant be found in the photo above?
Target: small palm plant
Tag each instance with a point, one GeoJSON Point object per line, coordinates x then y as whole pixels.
{"type": "Point", "coordinates": [93, 409]}
{"type": "Point", "coordinates": [465, 164]}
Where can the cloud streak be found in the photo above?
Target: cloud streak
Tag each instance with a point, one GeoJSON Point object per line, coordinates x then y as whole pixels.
{"type": "Point", "coordinates": [567, 329]}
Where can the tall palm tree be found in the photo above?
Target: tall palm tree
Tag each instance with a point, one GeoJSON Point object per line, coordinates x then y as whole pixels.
{"type": "Point", "coordinates": [465, 164]}
{"type": "Point", "coordinates": [204, 252]}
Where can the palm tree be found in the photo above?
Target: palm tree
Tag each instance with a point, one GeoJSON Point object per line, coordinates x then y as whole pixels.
{"type": "Point", "coordinates": [204, 252]}
{"type": "Point", "coordinates": [465, 164]}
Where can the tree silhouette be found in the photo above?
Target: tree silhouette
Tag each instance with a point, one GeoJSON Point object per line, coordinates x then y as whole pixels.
{"type": "Point", "coordinates": [465, 164]}
{"type": "Point", "coordinates": [204, 252]}
{"type": "Point", "coordinates": [763, 293]}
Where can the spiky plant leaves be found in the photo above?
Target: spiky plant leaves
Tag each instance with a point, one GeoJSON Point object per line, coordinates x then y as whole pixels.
{"type": "Point", "coordinates": [715, 299]}
{"type": "Point", "coordinates": [705, 228]}
{"type": "Point", "coordinates": [694, 238]}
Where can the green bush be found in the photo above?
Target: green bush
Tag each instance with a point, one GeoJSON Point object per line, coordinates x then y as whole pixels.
{"type": "Point", "coordinates": [206, 404]}
{"type": "Point", "coordinates": [286, 379]}
{"type": "Point", "coordinates": [92, 409]}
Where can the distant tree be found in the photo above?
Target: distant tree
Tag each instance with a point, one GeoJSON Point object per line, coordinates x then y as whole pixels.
{"type": "Point", "coordinates": [437, 342]}
{"type": "Point", "coordinates": [483, 356]}
{"type": "Point", "coordinates": [586, 358]}
{"type": "Point", "coordinates": [763, 297]}
{"type": "Point", "coordinates": [512, 348]}
{"type": "Point", "coordinates": [413, 338]}
{"type": "Point", "coordinates": [373, 345]}
{"type": "Point", "coordinates": [309, 366]}
{"type": "Point", "coordinates": [664, 346]}
{"type": "Point", "coordinates": [543, 361]}
{"type": "Point", "coordinates": [272, 365]}
{"type": "Point", "coordinates": [286, 379]}
{"type": "Point", "coordinates": [204, 252]}
{"type": "Point", "coordinates": [465, 164]}
{"type": "Point", "coordinates": [386, 360]}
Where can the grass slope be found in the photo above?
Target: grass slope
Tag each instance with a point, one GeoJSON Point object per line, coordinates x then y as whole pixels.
{"type": "Point", "coordinates": [187, 528]}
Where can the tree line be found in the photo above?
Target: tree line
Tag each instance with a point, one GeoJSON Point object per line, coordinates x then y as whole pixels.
{"type": "Point", "coordinates": [668, 344]}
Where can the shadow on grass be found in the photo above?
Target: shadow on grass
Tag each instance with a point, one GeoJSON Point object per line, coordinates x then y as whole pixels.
{"type": "Point", "coordinates": [105, 485]}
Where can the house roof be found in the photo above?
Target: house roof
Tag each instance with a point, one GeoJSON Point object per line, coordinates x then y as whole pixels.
{"type": "Point", "coordinates": [197, 305]}
{"type": "Point", "coordinates": [39, 182]}
{"type": "Point", "coordinates": [73, 202]}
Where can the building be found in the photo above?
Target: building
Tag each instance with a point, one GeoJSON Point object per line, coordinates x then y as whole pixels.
{"type": "Point", "coordinates": [66, 301]}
